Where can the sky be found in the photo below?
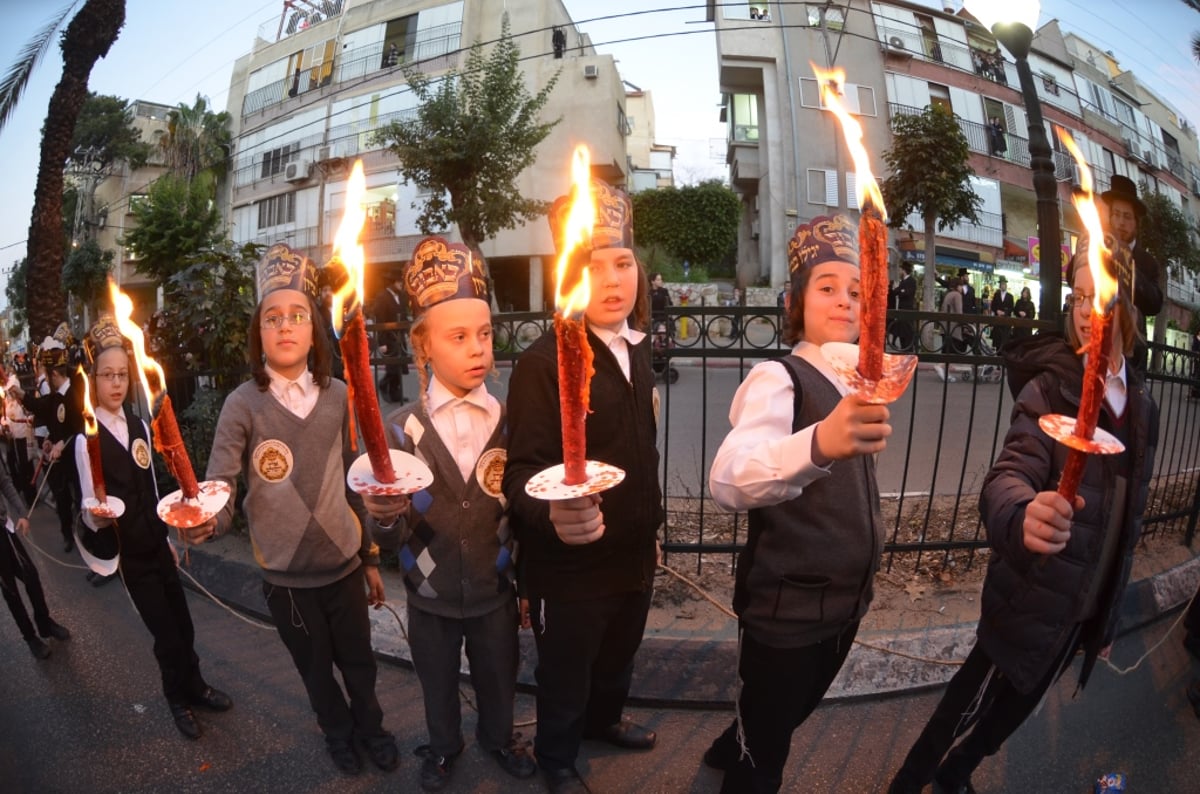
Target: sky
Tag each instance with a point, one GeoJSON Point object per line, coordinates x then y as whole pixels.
{"type": "Point", "coordinates": [170, 50]}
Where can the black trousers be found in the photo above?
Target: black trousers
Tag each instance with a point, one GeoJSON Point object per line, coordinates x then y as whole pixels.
{"type": "Point", "coordinates": [327, 626]}
{"type": "Point", "coordinates": [584, 668]}
{"type": "Point", "coordinates": [152, 581]}
{"type": "Point", "coordinates": [15, 565]}
{"type": "Point", "coordinates": [436, 643]}
{"type": "Point", "coordinates": [780, 688]}
{"type": "Point", "coordinates": [1191, 624]}
{"type": "Point", "coordinates": [979, 699]}
{"type": "Point", "coordinates": [22, 468]}
{"type": "Point", "coordinates": [59, 479]}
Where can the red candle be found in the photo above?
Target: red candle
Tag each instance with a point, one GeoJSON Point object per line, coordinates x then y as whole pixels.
{"type": "Point", "coordinates": [168, 441]}
{"type": "Point", "coordinates": [872, 259]}
{"type": "Point", "coordinates": [357, 358]}
{"type": "Point", "coordinates": [574, 388]}
{"type": "Point", "coordinates": [1094, 383]}
{"type": "Point", "coordinates": [93, 448]}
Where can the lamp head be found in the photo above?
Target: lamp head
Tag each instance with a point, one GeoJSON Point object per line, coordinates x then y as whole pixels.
{"type": "Point", "coordinates": [1011, 21]}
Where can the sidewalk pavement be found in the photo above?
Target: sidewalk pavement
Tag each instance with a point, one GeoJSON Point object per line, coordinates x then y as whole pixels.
{"type": "Point", "coordinates": [693, 663]}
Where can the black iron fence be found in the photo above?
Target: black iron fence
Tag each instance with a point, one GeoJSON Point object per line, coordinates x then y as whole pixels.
{"type": "Point", "coordinates": [947, 427]}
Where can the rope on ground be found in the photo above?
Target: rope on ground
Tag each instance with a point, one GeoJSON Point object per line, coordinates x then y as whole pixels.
{"type": "Point", "coordinates": [1155, 646]}
{"type": "Point", "coordinates": [729, 612]}
{"type": "Point", "coordinates": [256, 624]}
{"type": "Point", "coordinates": [51, 557]}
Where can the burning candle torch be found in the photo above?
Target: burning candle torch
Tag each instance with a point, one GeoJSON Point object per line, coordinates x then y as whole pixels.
{"type": "Point", "coordinates": [1081, 434]}
{"type": "Point", "coordinates": [91, 430]}
{"type": "Point", "coordinates": [352, 333]}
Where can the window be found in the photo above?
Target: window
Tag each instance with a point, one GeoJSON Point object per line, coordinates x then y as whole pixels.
{"type": "Point", "coordinates": [310, 68]}
{"type": "Point", "coordinates": [399, 40]}
{"type": "Point", "coordinates": [1049, 84]}
{"type": "Point", "coordinates": [273, 162]}
{"type": "Point", "coordinates": [136, 200]}
{"type": "Point", "coordinates": [743, 118]}
{"type": "Point", "coordinates": [277, 210]}
{"type": "Point", "coordinates": [858, 99]}
{"type": "Point", "coordinates": [835, 18]}
{"type": "Point", "coordinates": [822, 187]}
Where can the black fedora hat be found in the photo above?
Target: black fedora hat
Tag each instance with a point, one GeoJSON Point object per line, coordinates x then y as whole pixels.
{"type": "Point", "coordinates": [1123, 189]}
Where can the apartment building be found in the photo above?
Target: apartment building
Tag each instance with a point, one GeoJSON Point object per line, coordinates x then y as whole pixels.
{"type": "Point", "coordinates": [651, 164]}
{"type": "Point", "coordinates": [787, 159]}
{"type": "Point", "coordinates": [324, 76]}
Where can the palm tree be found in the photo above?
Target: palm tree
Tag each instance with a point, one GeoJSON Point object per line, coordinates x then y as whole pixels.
{"type": "Point", "coordinates": [197, 140]}
{"type": "Point", "coordinates": [87, 38]}
{"type": "Point", "coordinates": [1196, 46]}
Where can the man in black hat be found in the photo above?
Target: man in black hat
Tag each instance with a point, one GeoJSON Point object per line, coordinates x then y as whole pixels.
{"type": "Point", "coordinates": [1002, 306]}
{"type": "Point", "coordinates": [389, 308]}
{"type": "Point", "coordinates": [1125, 213]}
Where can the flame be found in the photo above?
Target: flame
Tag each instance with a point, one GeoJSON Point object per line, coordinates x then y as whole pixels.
{"type": "Point", "coordinates": [577, 234]}
{"type": "Point", "coordinates": [833, 88]}
{"type": "Point", "coordinates": [123, 317]}
{"type": "Point", "coordinates": [347, 248]}
{"type": "Point", "coordinates": [1085, 203]}
{"type": "Point", "coordinates": [90, 426]}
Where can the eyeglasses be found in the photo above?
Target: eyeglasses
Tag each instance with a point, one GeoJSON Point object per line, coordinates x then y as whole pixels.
{"type": "Point", "coordinates": [276, 321]}
{"type": "Point", "coordinates": [113, 377]}
{"type": "Point", "coordinates": [1083, 301]}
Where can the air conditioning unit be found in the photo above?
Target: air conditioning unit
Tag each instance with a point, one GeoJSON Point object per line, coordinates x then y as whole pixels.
{"type": "Point", "coordinates": [591, 71]}
{"type": "Point", "coordinates": [1150, 158]}
{"type": "Point", "coordinates": [896, 43]}
{"type": "Point", "coordinates": [296, 171]}
{"type": "Point", "coordinates": [1195, 186]}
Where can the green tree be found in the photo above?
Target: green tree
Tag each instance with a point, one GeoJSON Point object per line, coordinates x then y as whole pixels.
{"type": "Point", "coordinates": [929, 175]}
{"type": "Point", "coordinates": [211, 298]}
{"type": "Point", "coordinates": [1166, 232]}
{"type": "Point", "coordinates": [197, 140]}
{"type": "Point", "coordinates": [474, 133]}
{"type": "Point", "coordinates": [177, 219]}
{"type": "Point", "coordinates": [15, 292]}
{"type": "Point", "coordinates": [105, 127]}
{"type": "Point", "coordinates": [85, 275]}
{"type": "Point", "coordinates": [87, 38]}
{"type": "Point", "coordinates": [696, 223]}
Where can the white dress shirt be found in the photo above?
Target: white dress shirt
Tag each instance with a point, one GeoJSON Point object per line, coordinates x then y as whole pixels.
{"type": "Point", "coordinates": [1115, 389]}
{"type": "Point", "coordinates": [762, 462]}
{"type": "Point", "coordinates": [619, 342]}
{"type": "Point", "coordinates": [115, 423]}
{"type": "Point", "coordinates": [463, 423]}
{"type": "Point", "coordinates": [298, 396]}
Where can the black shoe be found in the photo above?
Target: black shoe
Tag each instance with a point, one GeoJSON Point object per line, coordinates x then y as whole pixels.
{"type": "Point", "coordinates": [721, 755]}
{"type": "Point", "coordinates": [625, 734]}
{"type": "Point", "coordinates": [435, 769]}
{"type": "Point", "coordinates": [1193, 696]}
{"type": "Point", "coordinates": [565, 781]}
{"type": "Point", "coordinates": [68, 546]}
{"type": "Point", "coordinates": [57, 631]}
{"type": "Point", "coordinates": [185, 720]}
{"type": "Point", "coordinates": [1192, 643]}
{"type": "Point", "coordinates": [516, 759]}
{"type": "Point", "coordinates": [213, 700]}
{"type": "Point", "coordinates": [344, 757]}
{"type": "Point", "coordinates": [99, 581]}
{"type": "Point", "coordinates": [381, 750]}
{"type": "Point", "coordinates": [955, 788]}
{"type": "Point", "coordinates": [38, 648]}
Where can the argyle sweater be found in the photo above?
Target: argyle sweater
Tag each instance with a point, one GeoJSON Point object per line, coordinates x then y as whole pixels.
{"type": "Point", "coordinates": [454, 545]}
{"type": "Point", "coordinates": [306, 526]}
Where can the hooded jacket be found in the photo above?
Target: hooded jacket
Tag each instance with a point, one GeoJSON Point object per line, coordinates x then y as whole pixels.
{"type": "Point", "coordinates": [1031, 602]}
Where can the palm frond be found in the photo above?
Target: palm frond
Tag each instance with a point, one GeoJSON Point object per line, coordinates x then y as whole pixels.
{"type": "Point", "coordinates": [17, 77]}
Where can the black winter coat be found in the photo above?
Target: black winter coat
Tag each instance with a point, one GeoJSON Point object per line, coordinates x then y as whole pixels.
{"type": "Point", "coordinates": [1032, 602]}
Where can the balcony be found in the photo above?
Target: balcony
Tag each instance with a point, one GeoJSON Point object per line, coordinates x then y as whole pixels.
{"type": "Point", "coordinates": [989, 231]}
{"type": "Point", "coordinates": [979, 139]}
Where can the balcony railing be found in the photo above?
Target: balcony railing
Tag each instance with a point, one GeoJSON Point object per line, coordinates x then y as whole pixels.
{"type": "Point", "coordinates": [433, 51]}
{"type": "Point", "coordinates": [988, 231]}
{"type": "Point", "coordinates": [979, 138]}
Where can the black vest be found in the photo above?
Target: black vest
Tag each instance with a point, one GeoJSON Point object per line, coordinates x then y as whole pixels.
{"type": "Point", "coordinates": [140, 529]}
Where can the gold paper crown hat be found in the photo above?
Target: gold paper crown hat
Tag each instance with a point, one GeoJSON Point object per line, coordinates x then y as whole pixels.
{"type": "Point", "coordinates": [441, 271]}
{"type": "Point", "coordinates": [283, 267]}
{"type": "Point", "coordinates": [613, 223]}
{"type": "Point", "coordinates": [824, 239]}
{"type": "Point", "coordinates": [103, 336]}
{"type": "Point", "coordinates": [52, 352]}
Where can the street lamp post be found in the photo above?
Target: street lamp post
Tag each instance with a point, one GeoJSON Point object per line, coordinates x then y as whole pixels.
{"type": "Point", "coordinates": [1012, 23]}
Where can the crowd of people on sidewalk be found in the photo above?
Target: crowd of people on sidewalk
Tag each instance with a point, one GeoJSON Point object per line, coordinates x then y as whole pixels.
{"type": "Point", "coordinates": [483, 554]}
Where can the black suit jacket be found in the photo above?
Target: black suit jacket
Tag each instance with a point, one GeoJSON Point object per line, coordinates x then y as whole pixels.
{"type": "Point", "coordinates": [1004, 304]}
{"type": "Point", "coordinates": [386, 309]}
{"type": "Point", "coordinates": [1147, 293]}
